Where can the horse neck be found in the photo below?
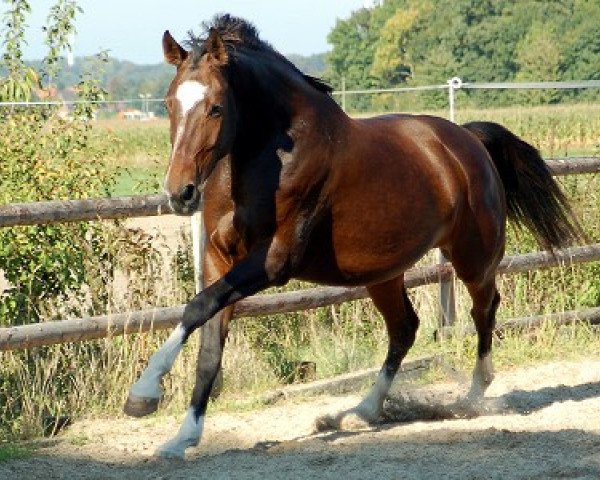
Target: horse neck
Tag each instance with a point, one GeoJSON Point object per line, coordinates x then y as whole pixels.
{"type": "Point", "coordinates": [274, 93]}
{"type": "Point", "coordinates": [281, 117]}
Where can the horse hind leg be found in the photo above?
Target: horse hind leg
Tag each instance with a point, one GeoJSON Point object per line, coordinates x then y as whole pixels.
{"type": "Point", "coordinates": [485, 298]}
{"type": "Point", "coordinates": [475, 252]}
{"type": "Point", "coordinates": [402, 322]}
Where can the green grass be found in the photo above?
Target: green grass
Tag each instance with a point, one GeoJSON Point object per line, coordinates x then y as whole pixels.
{"type": "Point", "coordinates": [138, 150]}
{"type": "Point", "coordinates": [138, 181]}
{"type": "Point", "coordinates": [12, 452]}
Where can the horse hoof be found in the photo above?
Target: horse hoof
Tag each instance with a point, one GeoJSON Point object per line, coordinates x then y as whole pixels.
{"type": "Point", "coordinates": [166, 454]}
{"type": "Point", "coordinates": [140, 406]}
{"type": "Point", "coordinates": [354, 421]}
{"type": "Point", "coordinates": [326, 423]}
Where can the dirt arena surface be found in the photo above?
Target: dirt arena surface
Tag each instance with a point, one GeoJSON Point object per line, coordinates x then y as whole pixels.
{"type": "Point", "coordinates": [540, 422]}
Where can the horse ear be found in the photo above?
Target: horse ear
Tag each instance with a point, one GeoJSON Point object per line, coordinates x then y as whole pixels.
{"type": "Point", "coordinates": [174, 53]}
{"type": "Point", "coordinates": [215, 47]}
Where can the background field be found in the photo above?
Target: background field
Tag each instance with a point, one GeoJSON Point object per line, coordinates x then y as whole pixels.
{"type": "Point", "coordinates": [142, 149]}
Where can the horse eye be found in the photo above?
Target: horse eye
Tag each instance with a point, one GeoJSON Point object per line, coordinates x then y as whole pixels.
{"type": "Point", "coordinates": [215, 110]}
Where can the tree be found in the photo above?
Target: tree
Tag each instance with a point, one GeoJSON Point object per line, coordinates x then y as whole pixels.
{"type": "Point", "coordinates": [60, 27]}
{"type": "Point", "coordinates": [426, 42]}
{"type": "Point", "coordinates": [42, 157]}
{"type": "Point", "coordinates": [353, 44]}
{"type": "Point", "coordinates": [539, 59]}
{"type": "Point", "coordinates": [581, 38]}
{"type": "Point", "coordinates": [20, 81]}
{"type": "Point", "coordinates": [392, 62]}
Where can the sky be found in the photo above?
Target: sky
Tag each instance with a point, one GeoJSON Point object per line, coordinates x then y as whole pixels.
{"type": "Point", "coordinates": [132, 29]}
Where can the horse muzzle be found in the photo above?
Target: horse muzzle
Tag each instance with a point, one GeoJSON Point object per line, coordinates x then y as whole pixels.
{"type": "Point", "coordinates": [187, 200]}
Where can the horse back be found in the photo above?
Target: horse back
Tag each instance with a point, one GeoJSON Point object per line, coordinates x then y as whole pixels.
{"type": "Point", "coordinates": [403, 185]}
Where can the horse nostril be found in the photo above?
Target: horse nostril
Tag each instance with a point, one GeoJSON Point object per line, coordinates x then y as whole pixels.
{"type": "Point", "coordinates": [187, 193]}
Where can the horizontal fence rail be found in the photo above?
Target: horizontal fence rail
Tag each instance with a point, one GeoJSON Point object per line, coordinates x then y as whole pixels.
{"type": "Point", "coordinates": [574, 165]}
{"type": "Point", "coordinates": [587, 315]}
{"type": "Point", "coordinates": [88, 328]}
{"type": "Point", "coordinates": [59, 211]}
{"type": "Point", "coordinates": [56, 211]}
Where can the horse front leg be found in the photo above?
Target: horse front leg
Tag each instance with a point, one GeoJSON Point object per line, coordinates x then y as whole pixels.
{"type": "Point", "coordinates": [213, 335]}
{"type": "Point", "coordinates": [144, 395]}
{"type": "Point", "coordinates": [257, 271]}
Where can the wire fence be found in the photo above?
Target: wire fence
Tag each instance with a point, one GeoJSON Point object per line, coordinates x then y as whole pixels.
{"type": "Point", "coordinates": [349, 99]}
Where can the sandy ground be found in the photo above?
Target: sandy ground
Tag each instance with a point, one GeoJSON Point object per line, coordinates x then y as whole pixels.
{"type": "Point", "coordinates": [541, 422]}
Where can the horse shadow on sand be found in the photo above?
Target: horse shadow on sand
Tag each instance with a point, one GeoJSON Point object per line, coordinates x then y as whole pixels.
{"type": "Point", "coordinates": [410, 406]}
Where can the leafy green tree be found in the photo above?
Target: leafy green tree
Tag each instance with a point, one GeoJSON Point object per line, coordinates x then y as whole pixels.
{"type": "Point", "coordinates": [21, 80]}
{"type": "Point", "coordinates": [539, 59]}
{"type": "Point", "coordinates": [45, 156]}
{"type": "Point", "coordinates": [352, 55]}
{"type": "Point", "coordinates": [581, 38]}
{"type": "Point", "coordinates": [429, 42]}
{"type": "Point", "coordinates": [392, 61]}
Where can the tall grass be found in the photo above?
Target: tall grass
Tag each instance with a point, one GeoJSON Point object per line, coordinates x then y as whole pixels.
{"type": "Point", "coordinates": [556, 130]}
{"type": "Point", "coordinates": [92, 378]}
{"type": "Point", "coordinates": [140, 150]}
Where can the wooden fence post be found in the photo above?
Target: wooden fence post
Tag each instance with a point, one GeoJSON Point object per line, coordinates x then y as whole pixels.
{"type": "Point", "coordinates": [447, 314]}
{"type": "Point", "coordinates": [198, 248]}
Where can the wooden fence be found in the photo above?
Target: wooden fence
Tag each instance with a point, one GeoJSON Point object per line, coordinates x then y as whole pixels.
{"type": "Point", "coordinates": [26, 336]}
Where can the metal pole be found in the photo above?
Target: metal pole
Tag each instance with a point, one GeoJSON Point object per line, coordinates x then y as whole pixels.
{"type": "Point", "coordinates": [454, 83]}
{"type": "Point", "coordinates": [344, 94]}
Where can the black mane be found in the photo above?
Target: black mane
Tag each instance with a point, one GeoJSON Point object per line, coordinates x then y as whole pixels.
{"type": "Point", "coordinates": [237, 32]}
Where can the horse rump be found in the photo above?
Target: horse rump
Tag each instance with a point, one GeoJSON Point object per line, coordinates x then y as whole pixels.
{"type": "Point", "coordinates": [533, 198]}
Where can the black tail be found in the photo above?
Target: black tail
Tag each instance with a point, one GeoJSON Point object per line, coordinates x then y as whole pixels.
{"type": "Point", "coordinates": [533, 197]}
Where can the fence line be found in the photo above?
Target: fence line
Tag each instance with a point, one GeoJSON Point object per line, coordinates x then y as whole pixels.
{"type": "Point", "coordinates": [454, 83]}
{"type": "Point", "coordinates": [87, 328]}
{"type": "Point", "coordinates": [55, 211]}
{"type": "Point", "coordinates": [26, 336]}
{"type": "Point", "coordinates": [577, 84]}
{"type": "Point", "coordinates": [588, 315]}
{"type": "Point", "coordinates": [151, 205]}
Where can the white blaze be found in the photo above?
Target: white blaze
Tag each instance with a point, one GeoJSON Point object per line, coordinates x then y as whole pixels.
{"type": "Point", "coordinates": [189, 93]}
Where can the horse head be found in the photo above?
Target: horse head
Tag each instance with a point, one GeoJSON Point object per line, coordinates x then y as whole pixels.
{"type": "Point", "coordinates": [202, 118]}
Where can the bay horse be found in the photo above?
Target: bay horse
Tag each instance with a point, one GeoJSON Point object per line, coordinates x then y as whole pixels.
{"type": "Point", "coordinates": [292, 187]}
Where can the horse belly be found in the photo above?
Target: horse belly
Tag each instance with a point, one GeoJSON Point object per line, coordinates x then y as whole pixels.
{"type": "Point", "coordinates": [365, 248]}
{"type": "Point", "coordinates": [387, 224]}
{"type": "Point", "coordinates": [371, 256]}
